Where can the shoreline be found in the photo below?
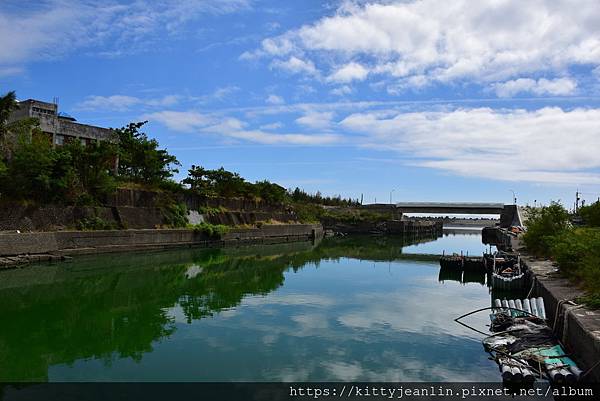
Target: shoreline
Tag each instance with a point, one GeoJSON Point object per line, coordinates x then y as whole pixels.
{"type": "Point", "coordinates": [21, 249]}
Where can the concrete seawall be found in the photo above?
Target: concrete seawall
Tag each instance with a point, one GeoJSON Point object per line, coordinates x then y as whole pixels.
{"type": "Point", "coordinates": [577, 326]}
{"type": "Point", "coordinates": [90, 242]}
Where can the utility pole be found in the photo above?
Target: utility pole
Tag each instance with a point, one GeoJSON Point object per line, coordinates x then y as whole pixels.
{"type": "Point", "coordinates": [361, 199]}
{"type": "Point", "coordinates": [514, 196]}
{"type": "Point", "coordinates": [577, 199]}
{"type": "Point", "coordinates": [391, 192]}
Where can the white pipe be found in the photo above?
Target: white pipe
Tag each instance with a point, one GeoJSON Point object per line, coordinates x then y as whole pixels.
{"type": "Point", "coordinates": [507, 373]}
{"type": "Point", "coordinates": [526, 306]}
{"type": "Point", "coordinates": [533, 306]}
{"type": "Point", "coordinates": [497, 303]}
{"type": "Point", "coordinates": [505, 303]}
{"type": "Point", "coordinates": [541, 308]}
{"type": "Point", "coordinates": [569, 377]}
{"type": "Point", "coordinates": [518, 304]}
{"type": "Point", "coordinates": [511, 304]}
{"type": "Point", "coordinates": [517, 375]}
{"type": "Point", "coordinates": [576, 371]}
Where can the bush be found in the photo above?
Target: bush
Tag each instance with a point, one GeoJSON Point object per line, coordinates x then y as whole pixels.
{"type": "Point", "coordinates": [175, 215]}
{"type": "Point", "coordinates": [95, 223]}
{"type": "Point", "coordinates": [211, 210]}
{"type": "Point", "coordinates": [543, 224]}
{"type": "Point", "coordinates": [591, 214]}
{"type": "Point", "coordinates": [215, 231]}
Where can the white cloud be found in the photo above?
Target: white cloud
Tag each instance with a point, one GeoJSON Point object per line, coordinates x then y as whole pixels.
{"type": "Point", "coordinates": [295, 65]}
{"type": "Point", "coordinates": [233, 128]}
{"type": "Point", "coordinates": [314, 119]}
{"type": "Point", "coordinates": [341, 90]}
{"type": "Point", "coordinates": [183, 121]}
{"type": "Point", "coordinates": [236, 129]}
{"type": "Point", "coordinates": [349, 72]}
{"type": "Point", "coordinates": [53, 28]}
{"type": "Point", "coordinates": [124, 102]}
{"type": "Point", "coordinates": [274, 99]}
{"type": "Point", "coordinates": [271, 126]}
{"type": "Point", "coordinates": [548, 145]}
{"type": "Point", "coordinates": [426, 41]}
{"type": "Point", "coordinates": [543, 86]}
{"type": "Point", "coordinates": [225, 92]}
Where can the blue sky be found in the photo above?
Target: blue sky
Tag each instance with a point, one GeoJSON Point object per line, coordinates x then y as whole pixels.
{"type": "Point", "coordinates": [435, 101]}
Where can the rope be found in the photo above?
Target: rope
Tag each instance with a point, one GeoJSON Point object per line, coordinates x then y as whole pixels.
{"type": "Point", "coordinates": [590, 369]}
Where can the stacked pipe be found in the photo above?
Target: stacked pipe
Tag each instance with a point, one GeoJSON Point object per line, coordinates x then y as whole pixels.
{"type": "Point", "coordinates": [534, 306]}
{"type": "Point", "coordinates": [515, 371]}
{"type": "Point", "coordinates": [561, 374]}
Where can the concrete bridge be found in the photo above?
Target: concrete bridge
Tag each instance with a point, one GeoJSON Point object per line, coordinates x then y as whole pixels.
{"type": "Point", "coordinates": [450, 208]}
{"type": "Point", "coordinates": [509, 214]}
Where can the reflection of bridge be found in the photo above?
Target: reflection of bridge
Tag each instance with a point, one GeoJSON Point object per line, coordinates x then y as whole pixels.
{"type": "Point", "coordinates": [450, 208]}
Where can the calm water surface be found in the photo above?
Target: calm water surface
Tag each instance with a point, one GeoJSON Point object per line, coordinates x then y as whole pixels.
{"type": "Point", "coordinates": [346, 309]}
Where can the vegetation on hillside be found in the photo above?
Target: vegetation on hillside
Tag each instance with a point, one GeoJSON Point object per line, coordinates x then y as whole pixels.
{"type": "Point", "coordinates": [33, 170]}
{"type": "Point", "coordinates": [575, 249]}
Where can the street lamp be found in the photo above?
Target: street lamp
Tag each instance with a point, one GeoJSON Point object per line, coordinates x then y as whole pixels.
{"type": "Point", "coordinates": [391, 192]}
{"type": "Point", "coordinates": [514, 196]}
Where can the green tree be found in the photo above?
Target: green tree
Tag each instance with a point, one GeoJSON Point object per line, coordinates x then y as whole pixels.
{"type": "Point", "coordinates": [216, 182]}
{"type": "Point", "coordinates": [93, 165]}
{"type": "Point", "coordinates": [270, 192]}
{"type": "Point", "coordinates": [591, 214]}
{"type": "Point", "coordinates": [140, 159]}
{"type": "Point", "coordinates": [30, 170]}
{"type": "Point", "coordinates": [543, 225]}
{"type": "Point", "coordinates": [11, 132]}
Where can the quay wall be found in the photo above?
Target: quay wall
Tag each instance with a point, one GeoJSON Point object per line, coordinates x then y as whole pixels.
{"type": "Point", "coordinates": [393, 227]}
{"type": "Point", "coordinates": [90, 242]}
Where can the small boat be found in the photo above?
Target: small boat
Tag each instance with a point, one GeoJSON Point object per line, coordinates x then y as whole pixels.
{"type": "Point", "coordinates": [524, 346]}
{"type": "Point", "coordinates": [507, 270]}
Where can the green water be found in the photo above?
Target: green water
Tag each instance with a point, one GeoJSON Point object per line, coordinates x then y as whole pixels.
{"type": "Point", "coordinates": [344, 309]}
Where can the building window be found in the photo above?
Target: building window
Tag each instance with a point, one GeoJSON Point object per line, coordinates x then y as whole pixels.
{"type": "Point", "coordinates": [59, 139]}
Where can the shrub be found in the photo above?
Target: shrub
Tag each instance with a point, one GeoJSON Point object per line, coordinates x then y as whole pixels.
{"type": "Point", "coordinates": [215, 231]}
{"type": "Point", "coordinates": [95, 223]}
{"type": "Point", "coordinates": [591, 214]}
{"type": "Point", "coordinates": [175, 215]}
{"type": "Point", "coordinates": [542, 225]}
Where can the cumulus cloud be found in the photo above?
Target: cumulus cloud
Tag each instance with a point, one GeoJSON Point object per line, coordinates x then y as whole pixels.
{"type": "Point", "coordinates": [543, 86]}
{"type": "Point", "coordinates": [295, 65]}
{"type": "Point", "coordinates": [349, 72]}
{"type": "Point", "coordinates": [549, 145]}
{"type": "Point", "coordinates": [419, 42]}
{"type": "Point", "coordinates": [314, 119]}
{"type": "Point", "coordinates": [53, 28]}
{"type": "Point", "coordinates": [341, 90]}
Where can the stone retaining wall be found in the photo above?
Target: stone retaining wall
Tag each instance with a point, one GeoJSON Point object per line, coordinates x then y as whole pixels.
{"type": "Point", "coordinates": [83, 242]}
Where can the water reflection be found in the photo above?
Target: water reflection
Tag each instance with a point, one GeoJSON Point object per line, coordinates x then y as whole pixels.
{"type": "Point", "coordinates": [356, 308]}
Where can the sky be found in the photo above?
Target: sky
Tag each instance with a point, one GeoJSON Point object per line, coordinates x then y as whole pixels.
{"type": "Point", "coordinates": [410, 100]}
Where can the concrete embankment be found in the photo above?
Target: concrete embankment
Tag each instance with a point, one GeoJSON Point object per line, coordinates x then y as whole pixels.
{"type": "Point", "coordinates": [66, 243]}
{"type": "Point", "coordinates": [577, 326]}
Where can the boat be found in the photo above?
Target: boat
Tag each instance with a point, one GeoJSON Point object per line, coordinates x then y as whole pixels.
{"type": "Point", "coordinates": [507, 270]}
{"type": "Point", "coordinates": [524, 346]}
